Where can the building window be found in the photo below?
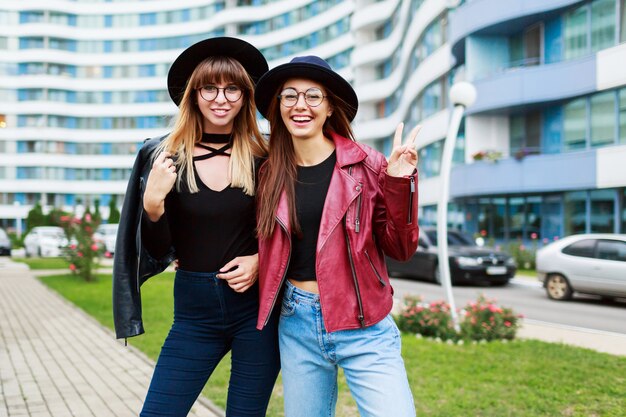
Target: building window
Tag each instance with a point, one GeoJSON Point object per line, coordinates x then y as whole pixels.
{"type": "Point", "coordinates": [622, 21]}
{"type": "Point", "coordinates": [429, 162]}
{"type": "Point", "coordinates": [575, 216]}
{"type": "Point", "coordinates": [602, 24]}
{"type": "Point", "coordinates": [623, 208]}
{"type": "Point", "coordinates": [603, 119]}
{"type": "Point", "coordinates": [575, 32]}
{"type": "Point", "coordinates": [602, 211]}
{"type": "Point", "coordinates": [622, 115]}
{"type": "Point", "coordinates": [575, 125]}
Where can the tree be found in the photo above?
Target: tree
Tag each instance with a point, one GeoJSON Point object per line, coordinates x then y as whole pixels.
{"type": "Point", "coordinates": [35, 217]}
{"type": "Point", "coordinates": [97, 216]}
{"type": "Point", "coordinates": [114, 213]}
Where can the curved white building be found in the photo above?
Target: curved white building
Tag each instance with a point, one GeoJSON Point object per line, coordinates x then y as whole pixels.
{"type": "Point", "coordinates": [82, 83]}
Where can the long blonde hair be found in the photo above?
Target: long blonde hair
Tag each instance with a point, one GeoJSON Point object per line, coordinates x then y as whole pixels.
{"type": "Point", "coordinates": [187, 131]}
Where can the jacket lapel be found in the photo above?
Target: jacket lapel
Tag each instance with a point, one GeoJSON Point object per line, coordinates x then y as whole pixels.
{"type": "Point", "coordinates": [343, 188]}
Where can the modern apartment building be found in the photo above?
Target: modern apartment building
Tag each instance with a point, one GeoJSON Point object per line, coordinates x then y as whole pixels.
{"type": "Point", "coordinates": [82, 83]}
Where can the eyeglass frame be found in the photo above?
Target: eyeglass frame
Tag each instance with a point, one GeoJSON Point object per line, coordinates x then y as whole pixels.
{"type": "Point", "coordinates": [223, 89]}
{"type": "Point", "coordinates": [280, 96]}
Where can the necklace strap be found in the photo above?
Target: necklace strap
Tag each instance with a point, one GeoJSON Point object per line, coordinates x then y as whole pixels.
{"type": "Point", "coordinates": [213, 151]}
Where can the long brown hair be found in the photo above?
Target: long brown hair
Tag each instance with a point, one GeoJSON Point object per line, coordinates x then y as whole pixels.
{"type": "Point", "coordinates": [187, 130]}
{"type": "Point", "coordinates": [280, 171]}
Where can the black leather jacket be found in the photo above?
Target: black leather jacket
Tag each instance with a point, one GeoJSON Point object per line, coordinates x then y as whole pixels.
{"type": "Point", "coordinates": [132, 265]}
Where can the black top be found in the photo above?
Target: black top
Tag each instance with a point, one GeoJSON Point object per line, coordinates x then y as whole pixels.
{"type": "Point", "coordinates": [207, 229]}
{"type": "Point", "coordinates": [311, 190]}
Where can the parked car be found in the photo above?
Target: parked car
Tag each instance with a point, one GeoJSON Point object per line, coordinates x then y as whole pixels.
{"type": "Point", "coordinates": [586, 263]}
{"type": "Point", "coordinates": [5, 244]}
{"type": "Point", "coordinates": [106, 235]}
{"type": "Point", "coordinates": [45, 241]}
{"type": "Point", "coordinates": [468, 261]}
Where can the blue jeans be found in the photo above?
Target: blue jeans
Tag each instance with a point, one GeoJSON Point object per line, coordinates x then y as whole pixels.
{"type": "Point", "coordinates": [211, 319]}
{"type": "Point", "coordinates": [310, 357]}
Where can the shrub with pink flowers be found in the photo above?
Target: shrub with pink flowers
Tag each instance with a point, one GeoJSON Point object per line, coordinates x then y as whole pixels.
{"type": "Point", "coordinates": [479, 320]}
{"type": "Point", "coordinates": [485, 320]}
{"type": "Point", "coordinates": [83, 253]}
{"type": "Point", "coordinates": [429, 320]}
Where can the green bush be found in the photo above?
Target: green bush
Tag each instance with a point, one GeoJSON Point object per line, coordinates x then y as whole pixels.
{"type": "Point", "coordinates": [484, 320]}
{"type": "Point", "coordinates": [524, 255]}
{"type": "Point", "coordinates": [83, 253]}
{"type": "Point", "coordinates": [429, 320]}
{"type": "Point", "coordinates": [479, 320]}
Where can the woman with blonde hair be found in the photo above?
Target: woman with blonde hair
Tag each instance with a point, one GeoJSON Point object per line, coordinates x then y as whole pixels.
{"type": "Point", "coordinates": [199, 207]}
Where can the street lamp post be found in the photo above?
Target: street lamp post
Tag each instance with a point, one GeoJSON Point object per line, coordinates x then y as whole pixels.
{"type": "Point", "coordinates": [462, 94]}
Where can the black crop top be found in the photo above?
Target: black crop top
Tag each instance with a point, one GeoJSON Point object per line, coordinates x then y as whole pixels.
{"type": "Point", "coordinates": [207, 229]}
{"type": "Point", "coordinates": [311, 190]}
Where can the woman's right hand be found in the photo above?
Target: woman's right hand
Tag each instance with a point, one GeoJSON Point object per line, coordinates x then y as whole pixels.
{"type": "Point", "coordinates": [160, 182]}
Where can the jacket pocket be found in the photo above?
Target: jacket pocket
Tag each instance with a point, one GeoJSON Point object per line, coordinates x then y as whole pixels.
{"type": "Point", "coordinates": [380, 279]}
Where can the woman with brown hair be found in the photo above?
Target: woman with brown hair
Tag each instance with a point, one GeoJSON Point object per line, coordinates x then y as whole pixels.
{"type": "Point", "coordinates": [329, 210]}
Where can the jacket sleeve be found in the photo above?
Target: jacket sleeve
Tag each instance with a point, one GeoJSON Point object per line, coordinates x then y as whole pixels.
{"type": "Point", "coordinates": [132, 264]}
{"type": "Point", "coordinates": [395, 214]}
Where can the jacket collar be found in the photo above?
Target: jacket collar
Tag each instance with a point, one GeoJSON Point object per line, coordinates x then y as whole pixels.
{"type": "Point", "coordinates": [348, 151]}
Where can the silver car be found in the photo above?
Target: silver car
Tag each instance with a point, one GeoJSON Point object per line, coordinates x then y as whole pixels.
{"type": "Point", "coordinates": [587, 263]}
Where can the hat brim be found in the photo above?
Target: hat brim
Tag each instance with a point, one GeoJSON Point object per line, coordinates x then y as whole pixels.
{"type": "Point", "coordinates": [250, 58]}
{"type": "Point", "coordinates": [269, 83]}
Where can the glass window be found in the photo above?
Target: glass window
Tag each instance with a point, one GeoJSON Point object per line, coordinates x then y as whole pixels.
{"type": "Point", "coordinates": [622, 20]}
{"type": "Point", "coordinates": [429, 162]}
{"type": "Point", "coordinates": [623, 205]}
{"type": "Point", "coordinates": [622, 115]}
{"type": "Point", "coordinates": [575, 124]}
{"type": "Point", "coordinates": [602, 211]}
{"type": "Point", "coordinates": [603, 119]}
{"type": "Point", "coordinates": [516, 218]}
{"type": "Point", "coordinates": [516, 133]}
{"type": "Point", "coordinates": [575, 212]}
{"type": "Point", "coordinates": [612, 250]}
{"type": "Point", "coordinates": [602, 24]}
{"type": "Point", "coordinates": [575, 32]}
{"type": "Point", "coordinates": [584, 248]}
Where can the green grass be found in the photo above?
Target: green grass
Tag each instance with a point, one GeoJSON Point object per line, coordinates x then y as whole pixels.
{"type": "Point", "coordinates": [44, 263]}
{"type": "Point", "coordinates": [520, 378]}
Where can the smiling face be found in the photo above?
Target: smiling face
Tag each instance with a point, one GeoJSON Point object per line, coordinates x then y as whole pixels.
{"type": "Point", "coordinates": [219, 113]}
{"type": "Point", "coordinates": [304, 121]}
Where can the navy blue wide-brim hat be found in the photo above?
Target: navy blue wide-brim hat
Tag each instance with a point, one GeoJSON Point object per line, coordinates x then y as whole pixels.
{"type": "Point", "coordinates": [250, 58]}
{"type": "Point", "coordinates": [309, 67]}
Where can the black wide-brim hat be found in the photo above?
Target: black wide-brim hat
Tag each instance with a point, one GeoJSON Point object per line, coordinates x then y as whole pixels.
{"type": "Point", "coordinates": [309, 67]}
{"type": "Point", "coordinates": [250, 58]}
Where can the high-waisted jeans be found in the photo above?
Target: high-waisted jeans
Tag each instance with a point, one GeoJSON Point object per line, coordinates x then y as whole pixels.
{"type": "Point", "coordinates": [211, 319]}
{"type": "Point", "coordinates": [370, 358]}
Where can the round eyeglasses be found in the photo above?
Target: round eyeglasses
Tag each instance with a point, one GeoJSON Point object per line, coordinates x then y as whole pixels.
{"type": "Point", "coordinates": [312, 97]}
{"type": "Point", "coordinates": [231, 92]}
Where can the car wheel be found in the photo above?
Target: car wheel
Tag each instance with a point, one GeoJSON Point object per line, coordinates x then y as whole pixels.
{"type": "Point", "coordinates": [39, 254]}
{"type": "Point", "coordinates": [558, 288]}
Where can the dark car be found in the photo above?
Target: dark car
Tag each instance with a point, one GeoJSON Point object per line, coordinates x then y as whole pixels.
{"type": "Point", "coordinates": [469, 263]}
{"type": "Point", "coordinates": [5, 244]}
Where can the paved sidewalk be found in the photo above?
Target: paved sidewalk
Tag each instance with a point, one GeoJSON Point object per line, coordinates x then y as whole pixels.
{"type": "Point", "coordinates": [56, 361]}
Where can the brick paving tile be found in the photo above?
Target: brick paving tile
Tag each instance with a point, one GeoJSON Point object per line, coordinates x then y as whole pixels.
{"type": "Point", "coordinates": [56, 361]}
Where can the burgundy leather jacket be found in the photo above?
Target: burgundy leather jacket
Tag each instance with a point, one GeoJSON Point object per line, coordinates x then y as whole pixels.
{"type": "Point", "coordinates": [367, 214]}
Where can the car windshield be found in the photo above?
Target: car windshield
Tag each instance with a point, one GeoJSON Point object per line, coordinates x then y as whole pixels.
{"type": "Point", "coordinates": [454, 238]}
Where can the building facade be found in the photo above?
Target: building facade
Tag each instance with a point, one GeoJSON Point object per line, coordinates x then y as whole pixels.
{"type": "Point", "coordinates": [539, 154]}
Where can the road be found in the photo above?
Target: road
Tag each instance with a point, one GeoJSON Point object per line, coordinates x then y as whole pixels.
{"type": "Point", "coordinates": [527, 297]}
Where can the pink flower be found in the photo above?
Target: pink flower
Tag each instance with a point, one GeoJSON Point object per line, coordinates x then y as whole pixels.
{"type": "Point", "coordinates": [79, 254]}
{"type": "Point", "coordinates": [545, 240]}
{"type": "Point", "coordinates": [533, 235]}
{"type": "Point", "coordinates": [88, 217]}
{"type": "Point", "coordinates": [107, 254]}
{"type": "Point", "coordinates": [94, 247]}
{"type": "Point", "coordinates": [72, 246]}
{"type": "Point", "coordinates": [507, 323]}
{"type": "Point", "coordinates": [556, 238]}
{"type": "Point", "coordinates": [72, 267]}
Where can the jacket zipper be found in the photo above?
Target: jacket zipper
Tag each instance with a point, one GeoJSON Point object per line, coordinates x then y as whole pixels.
{"type": "Point", "coordinates": [380, 279]}
{"type": "Point", "coordinates": [140, 243]}
{"type": "Point", "coordinates": [282, 280]}
{"type": "Point", "coordinates": [357, 219]}
{"type": "Point", "coordinates": [360, 317]}
{"type": "Point", "coordinates": [410, 219]}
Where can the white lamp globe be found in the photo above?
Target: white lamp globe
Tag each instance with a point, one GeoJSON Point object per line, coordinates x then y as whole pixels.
{"type": "Point", "coordinates": [463, 93]}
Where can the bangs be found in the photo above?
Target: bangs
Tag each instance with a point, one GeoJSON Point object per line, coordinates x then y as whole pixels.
{"type": "Point", "coordinates": [217, 70]}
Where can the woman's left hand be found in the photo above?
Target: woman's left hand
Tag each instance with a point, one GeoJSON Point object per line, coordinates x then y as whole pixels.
{"type": "Point", "coordinates": [245, 273]}
{"type": "Point", "coordinates": [403, 159]}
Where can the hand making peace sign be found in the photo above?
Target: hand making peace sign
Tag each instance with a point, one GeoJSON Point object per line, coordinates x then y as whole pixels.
{"type": "Point", "coordinates": [403, 158]}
